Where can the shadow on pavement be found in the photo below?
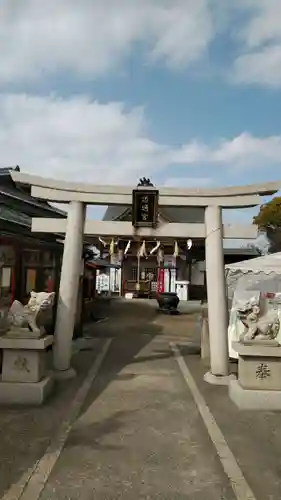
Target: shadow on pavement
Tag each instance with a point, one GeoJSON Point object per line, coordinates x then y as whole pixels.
{"type": "Point", "coordinates": [25, 433]}
{"type": "Point", "coordinates": [133, 325]}
{"type": "Point", "coordinates": [90, 436]}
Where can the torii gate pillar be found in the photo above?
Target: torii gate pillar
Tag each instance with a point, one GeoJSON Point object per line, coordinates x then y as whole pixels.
{"type": "Point", "coordinates": [217, 300]}
{"type": "Point", "coordinates": [68, 290]}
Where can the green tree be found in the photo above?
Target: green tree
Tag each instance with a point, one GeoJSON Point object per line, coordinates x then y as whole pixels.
{"type": "Point", "coordinates": [268, 220]}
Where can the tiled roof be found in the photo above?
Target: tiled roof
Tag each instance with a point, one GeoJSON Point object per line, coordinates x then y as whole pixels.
{"type": "Point", "coordinates": [10, 193]}
{"type": "Point", "coordinates": [14, 216]}
{"type": "Point", "coordinates": [177, 214]}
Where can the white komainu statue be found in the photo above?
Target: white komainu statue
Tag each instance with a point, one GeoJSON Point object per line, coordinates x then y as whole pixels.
{"type": "Point", "coordinates": [35, 314]}
{"type": "Point", "coordinates": [257, 325]}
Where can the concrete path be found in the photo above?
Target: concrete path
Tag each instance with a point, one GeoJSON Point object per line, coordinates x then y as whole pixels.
{"type": "Point", "coordinates": [139, 435]}
{"type": "Point", "coordinates": [254, 437]}
{"type": "Point", "coordinates": [25, 433]}
{"type": "Point", "coordinates": [139, 423]}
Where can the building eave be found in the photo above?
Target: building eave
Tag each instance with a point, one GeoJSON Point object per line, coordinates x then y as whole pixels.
{"type": "Point", "coordinates": [11, 192]}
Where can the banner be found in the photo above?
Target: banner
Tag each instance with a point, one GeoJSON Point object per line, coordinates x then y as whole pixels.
{"type": "Point", "coordinates": [160, 280]}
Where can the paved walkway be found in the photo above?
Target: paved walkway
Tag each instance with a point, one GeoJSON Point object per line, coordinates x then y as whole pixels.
{"type": "Point", "coordinates": [139, 435]}
{"type": "Point", "coordinates": [25, 433]}
{"type": "Point", "coordinates": [139, 423]}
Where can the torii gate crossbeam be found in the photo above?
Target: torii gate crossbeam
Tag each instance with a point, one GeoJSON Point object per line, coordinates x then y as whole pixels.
{"type": "Point", "coordinates": [213, 200]}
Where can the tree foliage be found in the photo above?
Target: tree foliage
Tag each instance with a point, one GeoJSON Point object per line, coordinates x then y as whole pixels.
{"type": "Point", "coordinates": [269, 221]}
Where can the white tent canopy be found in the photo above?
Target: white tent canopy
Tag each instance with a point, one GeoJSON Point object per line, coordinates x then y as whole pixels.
{"type": "Point", "coordinates": [261, 273]}
{"type": "Point", "coordinates": [267, 264]}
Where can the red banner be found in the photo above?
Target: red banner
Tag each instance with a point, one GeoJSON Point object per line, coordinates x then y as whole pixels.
{"type": "Point", "coordinates": [160, 280]}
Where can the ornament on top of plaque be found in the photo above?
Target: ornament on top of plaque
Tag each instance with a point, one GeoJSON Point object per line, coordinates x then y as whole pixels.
{"type": "Point", "coordinates": [145, 204]}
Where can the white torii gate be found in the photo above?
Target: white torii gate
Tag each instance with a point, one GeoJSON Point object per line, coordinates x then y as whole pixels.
{"type": "Point", "coordinates": [75, 227]}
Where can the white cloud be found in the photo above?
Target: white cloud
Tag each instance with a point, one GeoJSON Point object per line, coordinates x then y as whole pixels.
{"type": "Point", "coordinates": [194, 152]}
{"type": "Point", "coordinates": [243, 151]}
{"type": "Point", "coordinates": [260, 60]}
{"type": "Point", "coordinates": [80, 139]}
{"type": "Point", "coordinates": [88, 37]}
{"type": "Point", "coordinates": [248, 151]}
{"type": "Point", "coordinates": [262, 67]}
{"type": "Point", "coordinates": [263, 24]}
{"type": "Point", "coordinates": [77, 138]}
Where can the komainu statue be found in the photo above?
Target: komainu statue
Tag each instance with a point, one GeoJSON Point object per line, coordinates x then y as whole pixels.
{"type": "Point", "coordinates": [35, 315]}
{"type": "Point", "coordinates": [257, 325]}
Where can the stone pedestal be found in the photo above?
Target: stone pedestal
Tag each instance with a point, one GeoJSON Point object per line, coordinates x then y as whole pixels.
{"type": "Point", "coordinates": [259, 376]}
{"type": "Point", "coordinates": [24, 379]}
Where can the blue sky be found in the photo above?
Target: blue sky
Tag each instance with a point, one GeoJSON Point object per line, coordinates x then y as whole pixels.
{"type": "Point", "coordinates": [186, 92]}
